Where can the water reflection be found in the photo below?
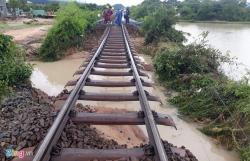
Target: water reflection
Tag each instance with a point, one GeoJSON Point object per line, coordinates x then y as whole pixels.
{"type": "Point", "coordinates": [40, 80]}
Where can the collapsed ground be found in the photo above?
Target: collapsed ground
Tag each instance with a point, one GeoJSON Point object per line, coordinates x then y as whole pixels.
{"type": "Point", "coordinates": [27, 115]}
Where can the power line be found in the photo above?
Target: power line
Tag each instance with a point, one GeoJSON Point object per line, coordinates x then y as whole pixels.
{"type": "Point", "coordinates": [217, 93]}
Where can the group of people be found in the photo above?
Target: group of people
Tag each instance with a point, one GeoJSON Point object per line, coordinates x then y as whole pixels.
{"type": "Point", "coordinates": [109, 17]}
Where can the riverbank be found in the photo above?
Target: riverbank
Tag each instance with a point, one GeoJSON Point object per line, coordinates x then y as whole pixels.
{"type": "Point", "coordinates": [206, 95]}
{"type": "Point", "coordinates": [214, 22]}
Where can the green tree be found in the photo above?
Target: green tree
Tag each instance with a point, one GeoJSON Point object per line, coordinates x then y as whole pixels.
{"type": "Point", "coordinates": [159, 25]}
{"type": "Point", "coordinates": [225, 10]}
{"type": "Point", "coordinates": [69, 30]}
{"type": "Point", "coordinates": [25, 7]}
{"type": "Point", "coordinates": [140, 12]}
{"type": "Point", "coordinates": [151, 2]}
{"type": "Point", "coordinates": [12, 69]}
{"type": "Point", "coordinates": [23, 1]}
{"type": "Point", "coordinates": [14, 4]}
{"type": "Point", "coordinates": [229, 12]}
{"type": "Point", "coordinates": [205, 12]}
{"type": "Point", "coordinates": [187, 13]}
{"type": "Point", "coordinates": [52, 6]}
{"type": "Point", "coordinates": [147, 8]}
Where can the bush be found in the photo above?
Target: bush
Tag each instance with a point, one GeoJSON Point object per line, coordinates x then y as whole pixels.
{"type": "Point", "coordinates": [69, 30]}
{"type": "Point", "coordinates": [12, 70]}
{"type": "Point", "coordinates": [175, 35]}
{"type": "Point", "coordinates": [204, 92]}
{"type": "Point", "coordinates": [189, 81]}
{"type": "Point", "coordinates": [193, 58]}
{"type": "Point", "coordinates": [187, 13]}
{"type": "Point", "coordinates": [15, 71]}
{"type": "Point", "coordinates": [4, 89]}
{"type": "Point", "coordinates": [206, 105]}
{"type": "Point", "coordinates": [7, 47]}
{"type": "Point", "coordinates": [139, 12]}
{"type": "Point", "coordinates": [159, 25]}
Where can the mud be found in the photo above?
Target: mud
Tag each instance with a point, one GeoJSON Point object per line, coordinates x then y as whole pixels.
{"type": "Point", "coordinates": [186, 134]}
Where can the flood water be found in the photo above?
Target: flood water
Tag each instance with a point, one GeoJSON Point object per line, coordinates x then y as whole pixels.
{"type": "Point", "coordinates": [225, 37]}
{"type": "Point", "coordinates": [51, 78]}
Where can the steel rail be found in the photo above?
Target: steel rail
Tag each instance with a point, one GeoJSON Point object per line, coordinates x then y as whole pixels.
{"type": "Point", "coordinates": [43, 153]}
{"type": "Point", "coordinates": [153, 133]}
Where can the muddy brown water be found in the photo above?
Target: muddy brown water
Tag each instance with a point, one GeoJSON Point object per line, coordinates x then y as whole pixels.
{"type": "Point", "coordinates": [51, 78]}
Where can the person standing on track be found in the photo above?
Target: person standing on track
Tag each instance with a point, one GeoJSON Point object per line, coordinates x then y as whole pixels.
{"type": "Point", "coordinates": [105, 15]}
{"type": "Point", "coordinates": [118, 16]}
{"type": "Point", "coordinates": [127, 15]}
{"type": "Point", "coordinates": [110, 13]}
{"type": "Point", "coordinates": [113, 16]}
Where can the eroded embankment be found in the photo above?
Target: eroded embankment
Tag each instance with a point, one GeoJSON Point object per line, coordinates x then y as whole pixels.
{"type": "Point", "coordinates": [28, 114]}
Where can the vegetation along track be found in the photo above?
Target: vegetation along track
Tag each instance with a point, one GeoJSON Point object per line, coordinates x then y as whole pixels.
{"type": "Point", "coordinates": [115, 51]}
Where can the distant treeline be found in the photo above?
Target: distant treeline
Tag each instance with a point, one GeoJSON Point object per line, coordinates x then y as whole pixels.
{"type": "Point", "coordinates": [53, 6]}
{"type": "Point", "coordinates": [207, 10]}
{"type": "Point", "coordinates": [198, 10]}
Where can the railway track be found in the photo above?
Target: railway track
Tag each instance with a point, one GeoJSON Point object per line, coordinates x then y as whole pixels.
{"type": "Point", "coordinates": [115, 51]}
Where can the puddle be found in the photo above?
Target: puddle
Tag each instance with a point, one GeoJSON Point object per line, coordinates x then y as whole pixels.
{"type": "Point", "coordinates": [51, 78]}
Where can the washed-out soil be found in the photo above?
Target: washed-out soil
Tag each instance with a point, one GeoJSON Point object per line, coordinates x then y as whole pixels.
{"type": "Point", "coordinates": [27, 115]}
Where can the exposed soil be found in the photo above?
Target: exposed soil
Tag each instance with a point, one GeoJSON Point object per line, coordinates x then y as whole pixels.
{"type": "Point", "coordinates": [93, 37]}
{"type": "Point", "coordinates": [27, 116]}
{"type": "Point", "coordinates": [138, 42]}
{"type": "Point", "coordinates": [127, 134]}
{"type": "Point", "coordinates": [30, 39]}
{"type": "Point", "coordinates": [21, 20]}
{"type": "Point", "coordinates": [91, 41]}
{"type": "Point", "coordinates": [133, 31]}
{"type": "Point", "coordinates": [148, 67]}
{"type": "Point", "coordinates": [28, 34]}
{"type": "Point", "coordinates": [118, 133]}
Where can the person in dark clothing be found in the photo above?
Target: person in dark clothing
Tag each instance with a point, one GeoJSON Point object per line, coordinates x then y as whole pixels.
{"type": "Point", "coordinates": [127, 15]}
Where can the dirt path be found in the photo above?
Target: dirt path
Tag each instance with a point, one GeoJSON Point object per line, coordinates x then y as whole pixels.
{"type": "Point", "coordinates": [28, 34]}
